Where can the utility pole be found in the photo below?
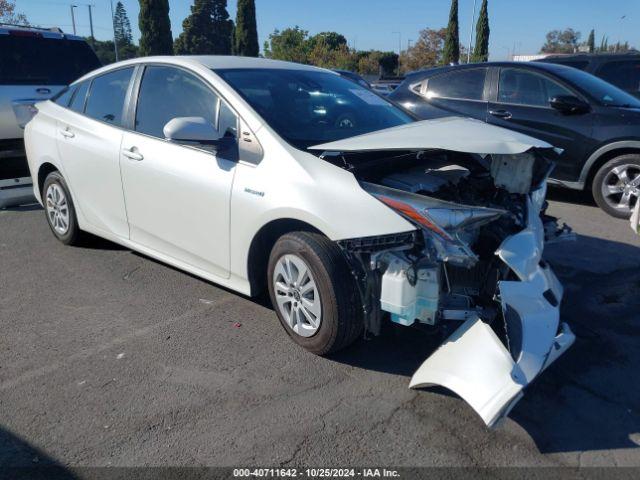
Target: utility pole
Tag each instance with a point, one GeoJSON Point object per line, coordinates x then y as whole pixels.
{"type": "Point", "coordinates": [113, 23]}
{"type": "Point", "coordinates": [73, 18]}
{"type": "Point", "coordinates": [473, 17]}
{"type": "Point", "coordinates": [91, 21]}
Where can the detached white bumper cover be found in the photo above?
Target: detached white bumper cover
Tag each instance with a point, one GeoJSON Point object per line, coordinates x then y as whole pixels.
{"type": "Point", "coordinates": [475, 364]}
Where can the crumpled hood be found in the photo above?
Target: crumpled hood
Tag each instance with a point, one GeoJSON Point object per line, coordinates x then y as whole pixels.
{"type": "Point", "coordinates": [457, 134]}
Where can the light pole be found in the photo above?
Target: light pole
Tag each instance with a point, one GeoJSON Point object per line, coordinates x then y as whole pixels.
{"type": "Point", "coordinates": [399, 48]}
{"type": "Point", "coordinates": [91, 21]}
{"type": "Point", "coordinates": [73, 18]}
{"type": "Point", "coordinates": [113, 23]}
{"type": "Point", "coordinates": [473, 17]}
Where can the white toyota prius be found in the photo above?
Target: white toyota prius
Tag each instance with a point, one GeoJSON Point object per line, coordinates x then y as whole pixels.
{"type": "Point", "coordinates": [258, 174]}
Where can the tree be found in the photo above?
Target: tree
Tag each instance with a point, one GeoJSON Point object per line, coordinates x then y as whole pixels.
{"type": "Point", "coordinates": [103, 49]}
{"type": "Point", "coordinates": [333, 40]}
{"type": "Point", "coordinates": [591, 42]}
{"type": "Point", "coordinates": [481, 50]}
{"type": "Point", "coordinates": [8, 13]}
{"type": "Point", "coordinates": [207, 31]}
{"type": "Point", "coordinates": [246, 32]}
{"type": "Point", "coordinates": [451, 52]}
{"type": "Point", "coordinates": [565, 41]}
{"type": "Point", "coordinates": [323, 54]}
{"type": "Point", "coordinates": [426, 51]}
{"type": "Point", "coordinates": [289, 44]}
{"type": "Point", "coordinates": [155, 28]}
{"type": "Point", "coordinates": [604, 44]}
{"type": "Point", "coordinates": [122, 33]}
{"type": "Point", "coordinates": [389, 63]}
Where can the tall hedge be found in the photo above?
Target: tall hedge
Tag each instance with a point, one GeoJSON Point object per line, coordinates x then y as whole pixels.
{"type": "Point", "coordinates": [155, 28]}
{"type": "Point", "coordinates": [246, 31]}
{"type": "Point", "coordinates": [451, 53]}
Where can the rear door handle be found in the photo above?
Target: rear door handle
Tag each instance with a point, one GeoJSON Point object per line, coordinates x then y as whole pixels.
{"type": "Point", "coordinates": [67, 133]}
{"type": "Point", "coordinates": [501, 114]}
{"type": "Point", "coordinates": [133, 155]}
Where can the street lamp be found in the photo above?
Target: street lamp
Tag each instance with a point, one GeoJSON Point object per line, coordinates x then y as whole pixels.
{"type": "Point", "coordinates": [473, 17]}
{"type": "Point", "coordinates": [73, 18]}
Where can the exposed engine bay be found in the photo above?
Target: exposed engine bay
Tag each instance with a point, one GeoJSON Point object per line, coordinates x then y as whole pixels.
{"type": "Point", "coordinates": [475, 258]}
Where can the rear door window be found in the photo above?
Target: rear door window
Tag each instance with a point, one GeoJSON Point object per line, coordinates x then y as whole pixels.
{"type": "Point", "coordinates": [107, 94]}
{"type": "Point", "coordinates": [467, 84]}
{"type": "Point", "coordinates": [35, 60]}
{"type": "Point", "coordinates": [624, 74]}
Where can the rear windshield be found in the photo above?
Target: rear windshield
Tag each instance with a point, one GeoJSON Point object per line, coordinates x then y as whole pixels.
{"type": "Point", "coordinates": [44, 61]}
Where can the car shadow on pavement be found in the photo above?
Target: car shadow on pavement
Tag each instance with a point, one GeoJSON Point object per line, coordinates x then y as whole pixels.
{"type": "Point", "coordinates": [19, 459]}
{"type": "Point", "coordinates": [589, 400]}
{"type": "Point", "coordinates": [567, 195]}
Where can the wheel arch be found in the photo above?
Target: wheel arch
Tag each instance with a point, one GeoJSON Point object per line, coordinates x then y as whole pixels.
{"type": "Point", "coordinates": [45, 169]}
{"type": "Point", "coordinates": [602, 155]}
{"type": "Point", "coordinates": [261, 246]}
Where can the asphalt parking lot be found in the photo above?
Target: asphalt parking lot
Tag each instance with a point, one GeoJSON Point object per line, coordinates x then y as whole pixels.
{"type": "Point", "coordinates": [110, 358]}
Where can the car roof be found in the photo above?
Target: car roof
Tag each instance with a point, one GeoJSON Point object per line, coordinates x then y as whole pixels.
{"type": "Point", "coordinates": [210, 62]}
{"type": "Point", "coordinates": [590, 56]}
{"type": "Point", "coordinates": [54, 33]}
{"type": "Point", "coordinates": [549, 67]}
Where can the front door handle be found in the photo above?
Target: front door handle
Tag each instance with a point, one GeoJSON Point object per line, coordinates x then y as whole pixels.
{"type": "Point", "coordinates": [67, 133]}
{"type": "Point", "coordinates": [501, 114]}
{"type": "Point", "coordinates": [132, 154]}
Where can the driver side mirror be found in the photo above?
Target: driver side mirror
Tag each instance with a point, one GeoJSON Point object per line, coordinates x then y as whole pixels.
{"type": "Point", "coordinates": [568, 104]}
{"type": "Point", "coordinates": [191, 129]}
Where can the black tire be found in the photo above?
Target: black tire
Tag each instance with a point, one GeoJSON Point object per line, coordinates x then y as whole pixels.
{"type": "Point", "coordinates": [605, 176]}
{"type": "Point", "coordinates": [341, 319]}
{"type": "Point", "coordinates": [72, 234]}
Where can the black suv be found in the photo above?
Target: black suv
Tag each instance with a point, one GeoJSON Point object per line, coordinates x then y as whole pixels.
{"type": "Point", "coordinates": [595, 123]}
{"type": "Point", "coordinates": [620, 69]}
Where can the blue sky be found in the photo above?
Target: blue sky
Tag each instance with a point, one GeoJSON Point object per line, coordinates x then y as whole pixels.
{"type": "Point", "coordinates": [518, 25]}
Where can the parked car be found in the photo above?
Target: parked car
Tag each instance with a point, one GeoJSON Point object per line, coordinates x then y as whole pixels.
{"type": "Point", "coordinates": [619, 69]}
{"type": "Point", "coordinates": [220, 167]}
{"type": "Point", "coordinates": [353, 77]}
{"type": "Point", "coordinates": [596, 124]}
{"type": "Point", "coordinates": [35, 64]}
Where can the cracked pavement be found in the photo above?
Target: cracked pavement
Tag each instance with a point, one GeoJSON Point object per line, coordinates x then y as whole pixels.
{"type": "Point", "coordinates": [110, 358]}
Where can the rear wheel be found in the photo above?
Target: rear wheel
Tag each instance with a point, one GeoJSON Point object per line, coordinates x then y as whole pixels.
{"type": "Point", "coordinates": [616, 186]}
{"type": "Point", "coordinates": [59, 209]}
{"type": "Point", "coordinates": [314, 293]}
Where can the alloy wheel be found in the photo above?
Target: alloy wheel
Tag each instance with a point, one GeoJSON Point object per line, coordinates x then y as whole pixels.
{"type": "Point", "coordinates": [57, 209]}
{"type": "Point", "coordinates": [297, 295]}
{"type": "Point", "coordinates": [621, 187]}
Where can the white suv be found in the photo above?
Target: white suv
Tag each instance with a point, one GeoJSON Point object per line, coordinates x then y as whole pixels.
{"type": "Point", "coordinates": [257, 174]}
{"type": "Point", "coordinates": [35, 64]}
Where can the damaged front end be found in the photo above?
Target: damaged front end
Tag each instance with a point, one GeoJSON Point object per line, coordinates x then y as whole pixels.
{"type": "Point", "coordinates": [475, 258]}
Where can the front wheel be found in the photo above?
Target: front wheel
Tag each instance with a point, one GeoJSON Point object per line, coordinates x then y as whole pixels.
{"type": "Point", "coordinates": [616, 186]}
{"type": "Point", "coordinates": [314, 293]}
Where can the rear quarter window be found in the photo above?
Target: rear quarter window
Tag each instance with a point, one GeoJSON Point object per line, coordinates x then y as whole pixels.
{"type": "Point", "coordinates": [35, 60]}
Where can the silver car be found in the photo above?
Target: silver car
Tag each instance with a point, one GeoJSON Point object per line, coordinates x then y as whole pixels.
{"type": "Point", "coordinates": [35, 64]}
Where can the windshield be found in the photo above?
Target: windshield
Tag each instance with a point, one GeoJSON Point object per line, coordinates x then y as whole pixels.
{"type": "Point", "coordinates": [311, 107]}
{"type": "Point", "coordinates": [603, 92]}
{"type": "Point", "coordinates": [43, 61]}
